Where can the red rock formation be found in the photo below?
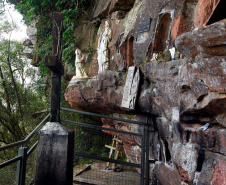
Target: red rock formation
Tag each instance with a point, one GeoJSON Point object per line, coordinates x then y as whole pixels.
{"type": "Point", "coordinates": [219, 175]}
{"type": "Point", "coordinates": [204, 10]}
{"type": "Point", "coordinates": [178, 27]}
{"type": "Point", "coordinates": [102, 93]}
{"type": "Point", "coordinates": [131, 144]}
{"type": "Point", "coordinates": [207, 41]}
{"type": "Point", "coordinates": [166, 175]}
{"type": "Point", "coordinates": [180, 96]}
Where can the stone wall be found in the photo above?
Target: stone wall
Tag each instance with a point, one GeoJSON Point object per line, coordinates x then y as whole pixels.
{"type": "Point", "coordinates": [179, 97]}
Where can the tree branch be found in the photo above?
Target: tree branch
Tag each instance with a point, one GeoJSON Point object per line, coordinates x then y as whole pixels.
{"type": "Point", "coordinates": [5, 90]}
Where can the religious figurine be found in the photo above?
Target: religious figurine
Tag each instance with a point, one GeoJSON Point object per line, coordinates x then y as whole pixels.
{"type": "Point", "coordinates": [172, 52]}
{"type": "Point", "coordinates": [154, 57]}
{"type": "Point", "coordinates": [79, 64]}
{"type": "Point", "coordinates": [102, 50]}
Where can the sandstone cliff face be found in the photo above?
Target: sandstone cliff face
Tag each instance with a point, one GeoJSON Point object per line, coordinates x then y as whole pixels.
{"type": "Point", "coordinates": [177, 97]}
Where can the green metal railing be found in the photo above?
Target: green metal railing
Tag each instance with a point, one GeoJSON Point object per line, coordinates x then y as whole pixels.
{"type": "Point", "coordinates": [143, 165]}
{"type": "Point", "coordinates": [23, 154]}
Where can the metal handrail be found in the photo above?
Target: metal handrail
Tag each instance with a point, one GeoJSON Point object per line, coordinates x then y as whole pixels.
{"type": "Point", "coordinates": [103, 116]}
{"type": "Point", "coordinates": [107, 159]}
{"type": "Point", "coordinates": [100, 127]}
{"type": "Point", "coordinates": [11, 145]}
{"type": "Point", "coordinates": [23, 154]}
{"type": "Point", "coordinates": [6, 163]}
{"type": "Point", "coordinates": [32, 148]}
{"type": "Point", "coordinates": [144, 165]}
{"type": "Point", "coordinates": [36, 128]}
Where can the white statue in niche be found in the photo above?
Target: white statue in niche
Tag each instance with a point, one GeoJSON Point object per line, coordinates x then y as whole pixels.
{"type": "Point", "coordinates": [79, 64]}
{"type": "Point", "coordinates": [102, 50]}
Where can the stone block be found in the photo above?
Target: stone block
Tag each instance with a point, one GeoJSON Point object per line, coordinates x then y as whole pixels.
{"type": "Point", "coordinates": [55, 155]}
{"type": "Point", "coordinates": [131, 88]}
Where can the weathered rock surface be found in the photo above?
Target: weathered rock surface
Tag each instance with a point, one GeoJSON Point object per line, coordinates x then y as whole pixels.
{"type": "Point", "coordinates": [166, 174]}
{"type": "Point", "coordinates": [214, 139]}
{"type": "Point", "coordinates": [206, 41]}
{"type": "Point", "coordinates": [29, 43]}
{"type": "Point", "coordinates": [185, 157]}
{"type": "Point", "coordinates": [213, 170]}
{"type": "Point", "coordinates": [102, 93]}
{"type": "Point", "coordinates": [103, 7]}
{"type": "Point", "coordinates": [179, 96]}
{"type": "Point", "coordinates": [204, 11]}
{"type": "Point", "coordinates": [31, 32]}
{"type": "Point", "coordinates": [28, 52]}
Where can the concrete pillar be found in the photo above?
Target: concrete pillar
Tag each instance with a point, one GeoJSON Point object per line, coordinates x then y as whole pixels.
{"type": "Point", "coordinates": [55, 155]}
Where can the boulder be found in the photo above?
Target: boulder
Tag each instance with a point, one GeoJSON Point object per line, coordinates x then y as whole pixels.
{"type": "Point", "coordinates": [167, 175]}
{"type": "Point", "coordinates": [102, 93]}
{"type": "Point", "coordinates": [206, 41]}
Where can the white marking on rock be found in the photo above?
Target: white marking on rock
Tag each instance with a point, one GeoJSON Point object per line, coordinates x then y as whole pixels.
{"type": "Point", "coordinates": [175, 117]}
{"type": "Point", "coordinates": [223, 64]}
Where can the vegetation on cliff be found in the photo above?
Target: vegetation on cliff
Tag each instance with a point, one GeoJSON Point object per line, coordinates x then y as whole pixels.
{"type": "Point", "coordinates": [19, 101]}
{"type": "Point", "coordinates": [22, 104]}
{"type": "Point", "coordinates": [40, 13]}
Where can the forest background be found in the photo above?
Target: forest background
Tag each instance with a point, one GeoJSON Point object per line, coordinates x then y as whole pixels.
{"type": "Point", "coordinates": [23, 105]}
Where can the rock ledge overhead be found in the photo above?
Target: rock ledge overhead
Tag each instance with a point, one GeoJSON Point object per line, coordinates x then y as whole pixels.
{"type": "Point", "coordinates": [176, 97]}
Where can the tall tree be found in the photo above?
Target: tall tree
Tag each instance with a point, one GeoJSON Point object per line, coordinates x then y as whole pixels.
{"type": "Point", "coordinates": [18, 100]}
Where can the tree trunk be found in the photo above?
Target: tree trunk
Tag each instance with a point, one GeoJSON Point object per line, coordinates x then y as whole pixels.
{"type": "Point", "coordinates": [13, 80]}
{"type": "Point", "coordinates": [6, 91]}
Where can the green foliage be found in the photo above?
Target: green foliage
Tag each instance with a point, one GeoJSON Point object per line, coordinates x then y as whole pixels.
{"type": "Point", "coordinates": [162, 56]}
{"type": "Point", "coordinates": [41, 12]}
{"type": "Point", "coordinates": [88, 140]}
{"type": "Point", "coordinates": [5, 27]}
{"type": "Point", "coordinates": [18, 99]}
{"type": "Point", "coordinates": [90, 50]}
{"type": "Point", "coordinates": [145, 62]}
{"type": "Point", "coordinates": [19, 102]}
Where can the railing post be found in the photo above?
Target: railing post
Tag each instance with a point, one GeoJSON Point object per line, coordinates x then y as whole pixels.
{"type": "Point", "coordinates": [147, 140]}
{"type": "Point", "coordinates": [142, 157]}
{"type": "Point", "coordinates": [21, 166]}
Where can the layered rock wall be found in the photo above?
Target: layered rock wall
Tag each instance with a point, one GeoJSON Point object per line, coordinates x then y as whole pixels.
{"type": "Point", "coordinates": [177, 97]}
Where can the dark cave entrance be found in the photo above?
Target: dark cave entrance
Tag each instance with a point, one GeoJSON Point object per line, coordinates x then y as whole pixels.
{"type": "Point", "coordinates": [218, 14]}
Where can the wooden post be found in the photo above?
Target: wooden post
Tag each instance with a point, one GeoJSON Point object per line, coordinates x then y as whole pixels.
{"type": "Point", "coordinates": [56, 142]}
{"type": "Point", "coordinates": [54, 64]}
